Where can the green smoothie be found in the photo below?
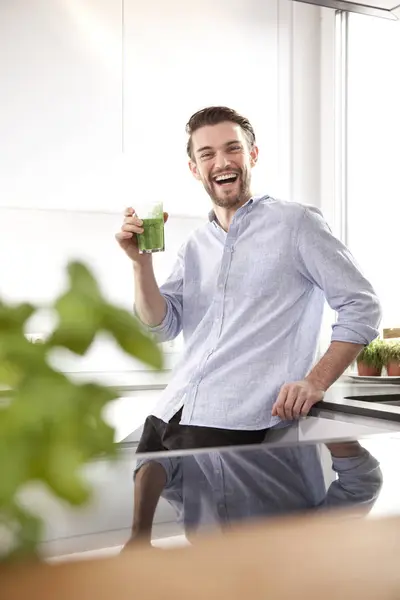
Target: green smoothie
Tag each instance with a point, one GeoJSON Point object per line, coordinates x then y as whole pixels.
{"type": "Point", "coordinates": [152, 239]}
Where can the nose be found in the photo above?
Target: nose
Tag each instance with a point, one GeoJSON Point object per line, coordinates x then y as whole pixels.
{"type": "Point", "coordinates": [221, 161]}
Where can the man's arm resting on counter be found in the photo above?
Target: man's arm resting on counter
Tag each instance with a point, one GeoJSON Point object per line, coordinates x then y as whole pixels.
{"type": "Point", "coordinates": [150, 305]}
{"type": "Point", "coordinates": [348, 293]}
{"type": "Point", "coordinates": [296, 399]}
{"type": "Point", "coordinates": [333, 364]}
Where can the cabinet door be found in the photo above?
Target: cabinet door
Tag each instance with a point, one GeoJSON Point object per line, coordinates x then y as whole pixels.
{"type": "Point", "coordinates": [181, 56]}
{"type": "Point", "coordinates": [61, 103]}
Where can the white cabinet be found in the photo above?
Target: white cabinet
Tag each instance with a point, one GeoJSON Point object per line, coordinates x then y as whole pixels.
{"type": "Point", "coordinates": [83, 80]}
{"type": "Point", "coordinates": [61, 103]}
{"type": "Point", "coordinates": [180, 56]}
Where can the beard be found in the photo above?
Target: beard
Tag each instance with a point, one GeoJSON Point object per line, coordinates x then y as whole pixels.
{"type": "Point", "coordinates": [233, 197]}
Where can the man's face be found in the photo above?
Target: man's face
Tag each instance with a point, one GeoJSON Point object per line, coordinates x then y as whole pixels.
{"type": "Point", "coordinates": [222, 161]}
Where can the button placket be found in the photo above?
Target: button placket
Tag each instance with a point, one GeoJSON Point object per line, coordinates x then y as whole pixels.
{"type": "Point", "coordinates": [219, 313]}
{"type": "Point", "coordinates": [221, 283]}
{"type": "Point", "coordinates": [219, 487]}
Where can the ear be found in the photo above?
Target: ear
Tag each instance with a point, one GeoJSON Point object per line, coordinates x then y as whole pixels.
{"type": "Point", "coordinates": [253, 156]}
{"type": "Point", "coordinates": [194, 170]}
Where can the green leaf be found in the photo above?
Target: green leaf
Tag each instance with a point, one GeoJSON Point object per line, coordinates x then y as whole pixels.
{"type": "Point", "coordinates": [94, 434]}
{"type": "Point", "coordinates": [46, 396]}
{"type": "Point", "coordinates": [82, 281]}
{"type": "Point", "coordinates": [79, 311]}
{"type": "Point", "coordinates": [79, 320]}
{"type": "Point", "coordinates": [14, 317]}
{"type": "Point", "coordinates": [131, 337]}
{"type": "Point", "coordinates": [51, 426]}
{"type": "Point", "coordinates": [19, 354]}
{"type": "Point", "coordinates": [24, 531]}
{"type": "Point", "coordinates": [63, 474]}
{"type": "Point", "coordinates": [14, 466]}
{"type": "Point", "coordinates": [10, 374]}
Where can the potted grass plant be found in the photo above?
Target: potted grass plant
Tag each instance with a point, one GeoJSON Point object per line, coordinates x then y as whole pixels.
{"type": "Point", "coordinates": [371, 358]}
{"type": "Point", "coordinates": [50, 425]}
{"type": "Point", "coordinates": [392, 359]}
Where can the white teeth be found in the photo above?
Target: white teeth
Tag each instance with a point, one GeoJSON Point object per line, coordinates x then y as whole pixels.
{"type": "Point", "coordinates": [225, 176]}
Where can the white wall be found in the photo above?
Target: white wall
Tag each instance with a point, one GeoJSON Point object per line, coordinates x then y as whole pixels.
{"type": "Point", "coordinates": [82, 80]}
{"type": "Point", "coordinates": [35, 246]}
{"type": "Point", "coordinates": [373, 183]}
{"type": "Point", "coordinates": [181, 56]}
{"type": "Point", "coordinates": [61, 102]}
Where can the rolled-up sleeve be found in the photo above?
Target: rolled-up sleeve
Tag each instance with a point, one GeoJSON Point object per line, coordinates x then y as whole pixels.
{"type": "Point", "coordinates": [172, 291]}
{"type": "Point", "coordinates": [328, 263]}
{"type": "Point", "coordinates": [359, 482]}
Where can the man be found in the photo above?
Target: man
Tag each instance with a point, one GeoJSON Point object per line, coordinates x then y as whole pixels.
{"type": "Point", "coordinates": [247, 291]}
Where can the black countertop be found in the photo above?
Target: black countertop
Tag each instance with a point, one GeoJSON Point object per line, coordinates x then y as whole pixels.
{"type": "Point", "coordinates": [367, 400]}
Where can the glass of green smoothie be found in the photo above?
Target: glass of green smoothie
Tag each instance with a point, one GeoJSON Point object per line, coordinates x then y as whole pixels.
{"type": "Point", "coordinates": [152, 239]}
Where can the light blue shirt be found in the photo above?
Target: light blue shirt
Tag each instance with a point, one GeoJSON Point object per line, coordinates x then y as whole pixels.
{"type": "Point", "coordinates": [220, 488]}
{"type": "Point", "coordinates": [249, 303]}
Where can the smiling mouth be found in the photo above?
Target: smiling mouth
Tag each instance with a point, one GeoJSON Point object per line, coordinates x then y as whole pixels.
{"type": "Point", "coordinates": [226, 179]}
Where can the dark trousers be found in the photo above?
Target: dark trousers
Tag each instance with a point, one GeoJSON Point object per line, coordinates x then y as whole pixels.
{"type": "Point", "coordinates": [159, 436]}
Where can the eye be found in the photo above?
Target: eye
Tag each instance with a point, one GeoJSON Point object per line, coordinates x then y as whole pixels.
{"type": "Point", "coordinates": [235, 148]}
{"type": "Point", "coordinates": [206, 155]}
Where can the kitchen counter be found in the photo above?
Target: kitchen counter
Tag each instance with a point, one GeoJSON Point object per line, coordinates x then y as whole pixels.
{"type": "Point", "coordinates": [130, 410]}
{"type": "Point", "coordinates": [335, 417]}
{"type": "Point", "coordinates": [106, 520]}
{"type": "Point", "coordinates": [340, 398]}
{"type": "Point", "coordinates": [336, 398]}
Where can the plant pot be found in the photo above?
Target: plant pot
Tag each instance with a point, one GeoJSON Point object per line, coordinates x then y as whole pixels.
{"type": "Point", "coordinates": [393, 368]}
{"type": "Point", "coordinates": [368, 370]}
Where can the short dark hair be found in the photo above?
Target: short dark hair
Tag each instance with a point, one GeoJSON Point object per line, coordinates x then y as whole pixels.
{"type": "Point", "coordinates": [213, 115]}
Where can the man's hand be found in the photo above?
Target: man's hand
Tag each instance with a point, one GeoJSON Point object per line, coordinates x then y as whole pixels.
{"type": "Point", "coordinates": [296, 399]}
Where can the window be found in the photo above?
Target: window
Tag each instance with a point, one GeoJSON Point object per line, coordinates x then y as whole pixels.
{"type": "Point", "coordinates": [373, 155]}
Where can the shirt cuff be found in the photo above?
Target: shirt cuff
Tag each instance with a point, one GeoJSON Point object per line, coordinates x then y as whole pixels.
{"type": "Point", "coordinates": [360, 334]}
{"type": "Point", "coordinates": [364, 462]}
{"type": "Point", "coordinates": [160, 329]}
{"type": "Point", "coordinates": [165, 323]}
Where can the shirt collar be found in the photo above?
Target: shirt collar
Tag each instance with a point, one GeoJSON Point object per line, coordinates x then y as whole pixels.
{"type": "Point", "coordinates": [253, 200]}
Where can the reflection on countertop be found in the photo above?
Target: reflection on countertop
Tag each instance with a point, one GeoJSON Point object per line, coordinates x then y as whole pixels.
{"type": "Point", "coordinates": [222, 487]}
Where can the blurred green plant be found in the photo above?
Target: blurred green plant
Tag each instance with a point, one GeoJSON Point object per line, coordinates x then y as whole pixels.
{"type": "Point", "coordinates": [50, 426]}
